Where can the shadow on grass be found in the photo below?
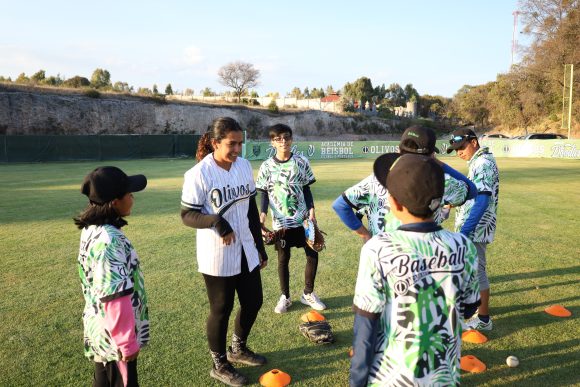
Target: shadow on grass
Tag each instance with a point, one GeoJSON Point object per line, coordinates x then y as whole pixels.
{"type": "Point", "coordinates": [551, 364]}
{"type": "Point", "coordinates": [536, 274]}
{"type": "Point", "coordinates": [500, 310]}
{"type": "Point", "coordinates": [535, 287]}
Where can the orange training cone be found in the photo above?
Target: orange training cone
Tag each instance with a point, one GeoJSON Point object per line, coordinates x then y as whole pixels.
{"type": "Point", "coordinates": [470, 363]}
{"type": "Point", "coordinates": [473, 336]}
{"type": "Point", "coordinates": [275, 378]}
{"type": "Point", "coordinates": [558, 311]}
{"type": "Point", "coordinates": [312, 316]}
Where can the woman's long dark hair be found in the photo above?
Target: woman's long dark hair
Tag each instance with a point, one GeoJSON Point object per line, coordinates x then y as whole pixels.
{"type": "Point", "coordinates": [98, 215]}
{"type": "Point", "coordinates": [219, 129]}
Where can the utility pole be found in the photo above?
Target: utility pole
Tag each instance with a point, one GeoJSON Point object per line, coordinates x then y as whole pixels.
{"type": "Point", "coordinates": [514, 35]}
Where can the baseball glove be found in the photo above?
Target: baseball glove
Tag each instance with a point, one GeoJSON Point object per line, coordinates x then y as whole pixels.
{"type": "Point", "coordinates": [271, 237]}
{"type": "Point", "coordinates": [319, 332]}
{"type": "Point", "coordinates": [314, 235]}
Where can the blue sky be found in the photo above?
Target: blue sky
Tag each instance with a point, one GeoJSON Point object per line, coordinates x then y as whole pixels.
{"type": "Point", "coordinates": [438, 46]}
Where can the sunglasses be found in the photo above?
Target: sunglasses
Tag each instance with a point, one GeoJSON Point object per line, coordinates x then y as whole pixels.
{"type": "Point", "coordinates": [456, 139]}
{"type": "Point", "coordinates": [286, 138]}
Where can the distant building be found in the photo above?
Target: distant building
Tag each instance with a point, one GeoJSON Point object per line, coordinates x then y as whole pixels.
{"type": "Point", "coordinates": [334, 97]}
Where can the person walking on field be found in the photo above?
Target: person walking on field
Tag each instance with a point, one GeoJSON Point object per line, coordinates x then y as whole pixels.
{"type": "Point", "coordinates": [477, 218]}
{"type": "Point", "coordinates": [116, 316]}
{"type": "Point", "coordinates": [218, 199]}
{"type": "Point", "coordinates": [284, 181]}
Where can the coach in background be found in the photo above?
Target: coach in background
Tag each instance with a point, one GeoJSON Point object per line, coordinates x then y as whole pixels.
{"type": "Point", "coordinates": [477, 218]}
{"type": "Point", "coordinates": [218, 199]}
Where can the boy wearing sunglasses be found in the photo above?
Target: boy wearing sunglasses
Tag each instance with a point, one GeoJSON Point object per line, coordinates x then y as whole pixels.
{"type": "Point", "coordinates": [477, 218]}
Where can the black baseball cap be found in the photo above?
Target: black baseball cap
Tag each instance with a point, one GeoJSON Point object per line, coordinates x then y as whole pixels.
{"type": "Point", "coordinates": [418, 139]}
{"type": "Point", "coordinates": [107, 183]}
{"type": "Point", "coordinates": [459, 137]}
{"type": "Point", "coordinates": [416, 181]}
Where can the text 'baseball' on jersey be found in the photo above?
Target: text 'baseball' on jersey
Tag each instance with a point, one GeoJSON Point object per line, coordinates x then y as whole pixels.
{"type": "Point", "coordinates": [439, 263]}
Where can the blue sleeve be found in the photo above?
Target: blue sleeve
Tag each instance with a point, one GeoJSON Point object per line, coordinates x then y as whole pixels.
{"type": "Point", "coordinates": [472, 189]}
{"type": "Point", "coordinates": [481, 203]}
{"type": "Point", "coordinates": [346, 214]}
{"type": "Point", "coordinates": [363, 347]}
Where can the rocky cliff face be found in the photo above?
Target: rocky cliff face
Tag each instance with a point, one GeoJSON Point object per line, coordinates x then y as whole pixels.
{"type": "Point", "coordinates": [26, 110]}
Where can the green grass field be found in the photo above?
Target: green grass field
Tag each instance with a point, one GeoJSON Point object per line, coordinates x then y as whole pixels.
{"type": "Point", "coordinates": [533, 263]}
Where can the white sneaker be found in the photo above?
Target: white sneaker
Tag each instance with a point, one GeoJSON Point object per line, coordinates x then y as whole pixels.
{"type": "Point", "coordinates": [476, 323]}
{"type": "Point", "coordinates": [283, 304]}
{"type": "Point", "coordinates": [313, 301]}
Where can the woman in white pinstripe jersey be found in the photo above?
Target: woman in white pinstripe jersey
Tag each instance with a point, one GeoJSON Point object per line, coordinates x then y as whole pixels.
{"type": "Point", "coordinates": [218, 199]}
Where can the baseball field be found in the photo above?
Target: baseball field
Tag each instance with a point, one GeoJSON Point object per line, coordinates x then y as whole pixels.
{"type": "Point", "coordinates": [533, 263]}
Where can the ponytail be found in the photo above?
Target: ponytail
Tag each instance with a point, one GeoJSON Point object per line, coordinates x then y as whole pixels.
{"type": "Point", "coordinates": [204, 146]}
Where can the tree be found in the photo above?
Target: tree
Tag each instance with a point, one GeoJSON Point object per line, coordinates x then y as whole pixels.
{"type": "Point", "coordinates": [122, 87]}
{"type": "Point", "coordinates": [296, 93]}
{"type": "Point", "coordinates": [317, 93]}
{"type": "Point", "coordinates": [240, 76]}
{"type": "Point", "coordinates": [168, 89]}
{"type": "Point", "coordinates": [101, 79]}
{"type": "Point", "coordinates": [273, 95]}
{"type": "Point", "coordinates": [188, 92]}
{"type": "Point", "coordinates": [22, 79]}
{"type": "Point", "coordinates": [207, 92]}
{"type": "Point", "coordinates": [38, 77]}
{"type": "Point", "coordinates": [77, 82]}
{"type": "Point", "coordinates": [155, 90]}
{"type": "Point", "coordinates": [395, 95]}
{"type": "Point", "coordinates": [411, 94]}
{"type": "Point", "coordinates": [329, 90]}
{"type": "Point", "coordinates": [361, 90]}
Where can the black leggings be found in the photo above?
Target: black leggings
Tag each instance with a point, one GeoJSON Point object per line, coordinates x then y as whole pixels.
{"type": "Point", "coordinates": [295, 238]}
{"type": "Point", "coordinates": [221, 292]}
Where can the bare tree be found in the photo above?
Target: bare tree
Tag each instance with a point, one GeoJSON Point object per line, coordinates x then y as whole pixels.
{"type": "Point", "coordinates": [240, 76]}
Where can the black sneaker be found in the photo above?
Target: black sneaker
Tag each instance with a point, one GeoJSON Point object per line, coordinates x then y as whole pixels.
{"type": "Point", "coordinates": [246, 356]}
{"type": "Point", "coordinates": [227, 374]}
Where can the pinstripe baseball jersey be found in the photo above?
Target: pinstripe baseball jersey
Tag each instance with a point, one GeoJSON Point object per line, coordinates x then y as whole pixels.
{"type": "Point", "coordinates": [211, 189]}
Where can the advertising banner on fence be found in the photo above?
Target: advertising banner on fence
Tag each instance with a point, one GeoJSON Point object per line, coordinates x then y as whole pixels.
{"type": "Point", "coordinates": [323, 150]}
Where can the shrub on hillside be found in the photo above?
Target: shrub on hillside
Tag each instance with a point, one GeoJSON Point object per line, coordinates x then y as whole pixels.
{"type": "Point", "coordinates": [273, 107]}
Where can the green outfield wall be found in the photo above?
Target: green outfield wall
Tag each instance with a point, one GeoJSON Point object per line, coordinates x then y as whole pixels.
{"type": "Point", "coordinates": [96, 147]}
{"type": "Point", "coordinates": [320, 150]}
{"type": "Point", "coordinates": [121, 147]}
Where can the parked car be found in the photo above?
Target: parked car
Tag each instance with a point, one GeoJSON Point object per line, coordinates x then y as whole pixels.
{"type": "Point", "coordinates": [545, 136]}
{"type": "Point", "coordinates": [493, 135]}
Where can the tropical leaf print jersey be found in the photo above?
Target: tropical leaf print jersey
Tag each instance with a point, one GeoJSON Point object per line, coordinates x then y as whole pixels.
{"type": "Point", "coordinates": [417, 282]}
{"type": "Point", "coordinates": [370, 197]}
{"type": "Point", "coordinates": [284, 182]}
{"type": "Point", "coordinates": [484, 173]}
{"type": "Point", "coordinates": [109, 268]}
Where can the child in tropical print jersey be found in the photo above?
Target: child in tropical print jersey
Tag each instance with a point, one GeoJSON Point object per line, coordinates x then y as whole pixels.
{"type": "Point", "coordinates": [115, 317]}
{"type": "Point", "coordinates": [414, 284]}
{"type": "Point", "coordinates": [284, 181]}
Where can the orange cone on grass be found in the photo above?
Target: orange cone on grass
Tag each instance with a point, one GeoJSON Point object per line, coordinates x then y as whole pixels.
{"type": "Point", "coordinates": [275, 378]}
{"type": "Point", "coordinates": [558, 311]}
{"type": "Point", "coordinates": [470, 363]}
{"type": "Point", "coordinates": [312, 316]}
{"type": "Point", "coordinates": [473, 336]}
